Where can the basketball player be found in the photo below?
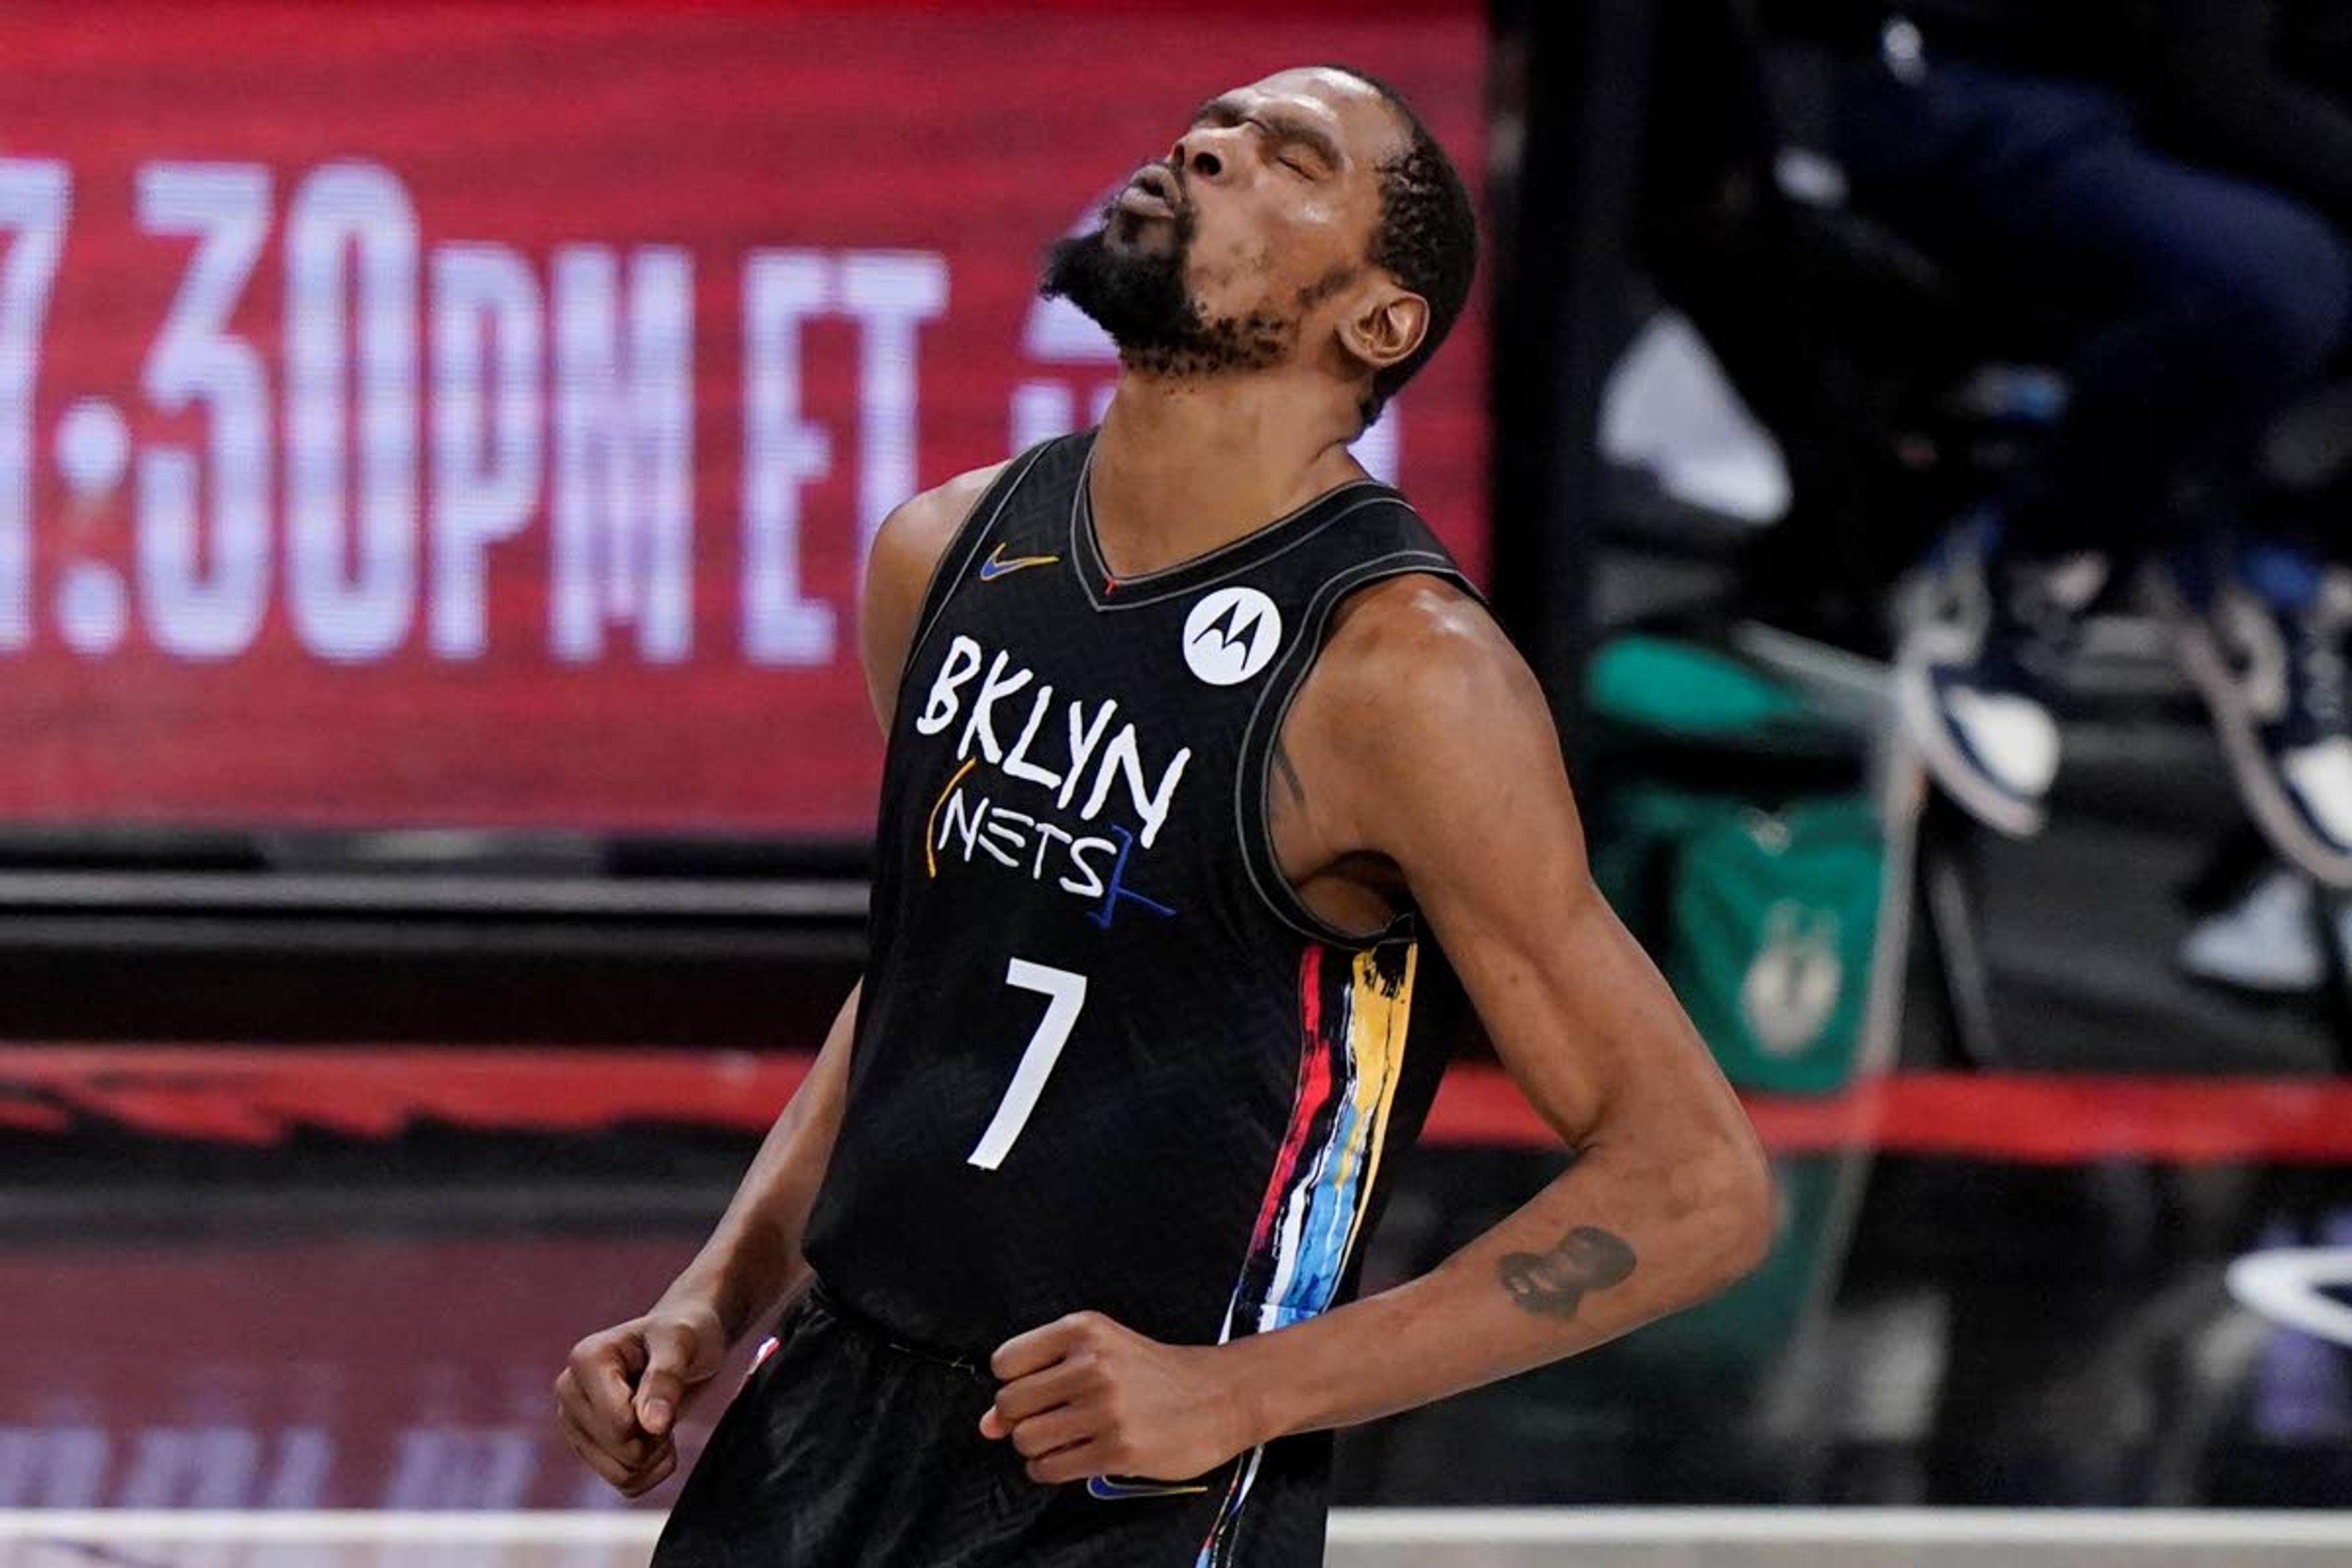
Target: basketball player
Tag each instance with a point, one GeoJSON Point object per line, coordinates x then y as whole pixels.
{"type": "Point", "coordinates": [1196, 739]}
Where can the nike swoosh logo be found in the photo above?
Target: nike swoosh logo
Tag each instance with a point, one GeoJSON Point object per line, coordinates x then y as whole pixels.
{"type": "Point", "coordinates": [996, 566]}
{"type": "Point", "coordinates": [1110, 1489]}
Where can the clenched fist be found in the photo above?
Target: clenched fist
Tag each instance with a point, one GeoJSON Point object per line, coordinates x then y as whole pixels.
{"type": "Point", "coordinates": [1087, 1397]}
{"type": "Point", "coordinates": [618, 1397]}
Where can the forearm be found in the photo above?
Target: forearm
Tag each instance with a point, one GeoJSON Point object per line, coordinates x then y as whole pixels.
{"type": "Point", "coordinates": [1618, 1240]}
{"type": "Point", "coordinates": [1669, 1199]}
{"type": "Point", "coordinates": [752, 1259]}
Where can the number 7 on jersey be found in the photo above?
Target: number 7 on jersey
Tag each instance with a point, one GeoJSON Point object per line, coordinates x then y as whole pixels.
{"type": "Point", "coordinates": [1065, 993]}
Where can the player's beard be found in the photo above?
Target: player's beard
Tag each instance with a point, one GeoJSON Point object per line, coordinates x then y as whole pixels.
{"type": "Point", "coordinates": [1138, 298]}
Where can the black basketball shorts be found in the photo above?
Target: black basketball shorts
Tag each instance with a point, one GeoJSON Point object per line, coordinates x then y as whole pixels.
{"type": "Point", "coordinates": [844, 1449]}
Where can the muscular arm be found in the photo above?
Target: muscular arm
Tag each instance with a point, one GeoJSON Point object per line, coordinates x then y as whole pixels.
{"type": "Point", "coordinates": [1421, 739]}
{"type": "Point", "coordinates": [1430, 744]}
{"type": "Point", "coordinates": [619, 1393]}
{"type": "Point", "coordinates": [753, 1258]}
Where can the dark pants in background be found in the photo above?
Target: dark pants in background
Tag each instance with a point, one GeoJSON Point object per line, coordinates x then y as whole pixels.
{"type": "Point", "coordinates": [2210, 302]}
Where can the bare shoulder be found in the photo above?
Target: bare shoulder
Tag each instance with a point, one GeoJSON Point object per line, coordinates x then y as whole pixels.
{"type": "Point", "coordinates": [916, 533]}
{"type": "Point", "coordinates": [1420, 721]}
{"type": "Point", "coordinates": [1419, 651]}
{"type": "Point", "coordinates": [906, 551]}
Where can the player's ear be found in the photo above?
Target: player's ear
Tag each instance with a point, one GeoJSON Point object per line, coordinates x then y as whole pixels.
{"type": "Point", "coordinates": [1387, 328]}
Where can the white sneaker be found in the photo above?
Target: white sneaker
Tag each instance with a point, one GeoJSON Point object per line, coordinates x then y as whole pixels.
{"type": "Point", "coordinates": [2273, 676]}
{"type": "Point", "coordinates": [2265, 941]}
{"type": "Point", "coordinates": [1966, 704]}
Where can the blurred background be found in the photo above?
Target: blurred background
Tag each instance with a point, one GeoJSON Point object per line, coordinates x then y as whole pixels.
{"type": "Point", "coordinates": [437, 449]}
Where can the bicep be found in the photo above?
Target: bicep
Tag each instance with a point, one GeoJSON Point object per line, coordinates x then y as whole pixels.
{"type": "Point", "coordinates": [1487, 833]}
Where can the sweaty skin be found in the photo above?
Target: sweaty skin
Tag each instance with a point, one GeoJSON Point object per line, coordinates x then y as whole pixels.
{"type": "Point", "coordinates": [1419, 756]}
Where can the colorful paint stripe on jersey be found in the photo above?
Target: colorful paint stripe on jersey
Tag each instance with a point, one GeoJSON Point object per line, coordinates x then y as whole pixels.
{"type": "Point", "coordinates": [1353, 1012]}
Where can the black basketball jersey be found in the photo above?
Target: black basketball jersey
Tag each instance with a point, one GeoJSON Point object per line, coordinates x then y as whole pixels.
{"type": "Point", "coordinates": [1106, 1057]}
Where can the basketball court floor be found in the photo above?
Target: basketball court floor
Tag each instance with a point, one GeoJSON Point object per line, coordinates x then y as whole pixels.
{"type": "Point", "coordinates": [1401, 1538]}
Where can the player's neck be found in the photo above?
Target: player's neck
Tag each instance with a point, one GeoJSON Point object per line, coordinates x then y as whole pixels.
{"type": "Point", "coordinates": [1182, 467]}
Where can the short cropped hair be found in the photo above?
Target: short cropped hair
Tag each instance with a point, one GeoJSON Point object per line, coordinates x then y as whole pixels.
{"type": "Point", "coordinates": [1427, 237]}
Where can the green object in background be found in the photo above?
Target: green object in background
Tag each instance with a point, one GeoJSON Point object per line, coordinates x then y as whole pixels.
{"type": "Point", "coordinates": [1774, 918]}
{"type": "Point", "coordinates": [1763, 921]}
{"type": "Point", "coordinates": [1668, 688]}
{"type": "Point", "coordinates": [1730, 841]}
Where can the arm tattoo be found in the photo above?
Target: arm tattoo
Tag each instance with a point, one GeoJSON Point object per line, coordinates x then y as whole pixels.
{"type": "Point", "coordinates": [1554, 1283]}
{"type": "Point", "coordinates": [1289, 774]}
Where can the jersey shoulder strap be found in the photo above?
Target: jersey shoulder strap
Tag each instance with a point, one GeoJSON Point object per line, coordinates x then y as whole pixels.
{"type": "Point", "coordinates": [1391, 541]}
{"type": "Point", "coordinates": [980, 524]}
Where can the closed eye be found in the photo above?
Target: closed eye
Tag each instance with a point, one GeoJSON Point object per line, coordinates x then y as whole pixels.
{"type": "Point", "coordinates": [1300, 154]}
{"type": "Point", "coordinates": [1301, 148]}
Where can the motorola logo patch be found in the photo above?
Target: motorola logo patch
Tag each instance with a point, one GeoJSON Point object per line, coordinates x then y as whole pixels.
{"type": "Point", "coordinates": [1231, 634]}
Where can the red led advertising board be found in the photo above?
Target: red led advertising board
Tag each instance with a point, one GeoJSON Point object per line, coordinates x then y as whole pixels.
{"type": "Point", "coordinates": [475, 414]}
